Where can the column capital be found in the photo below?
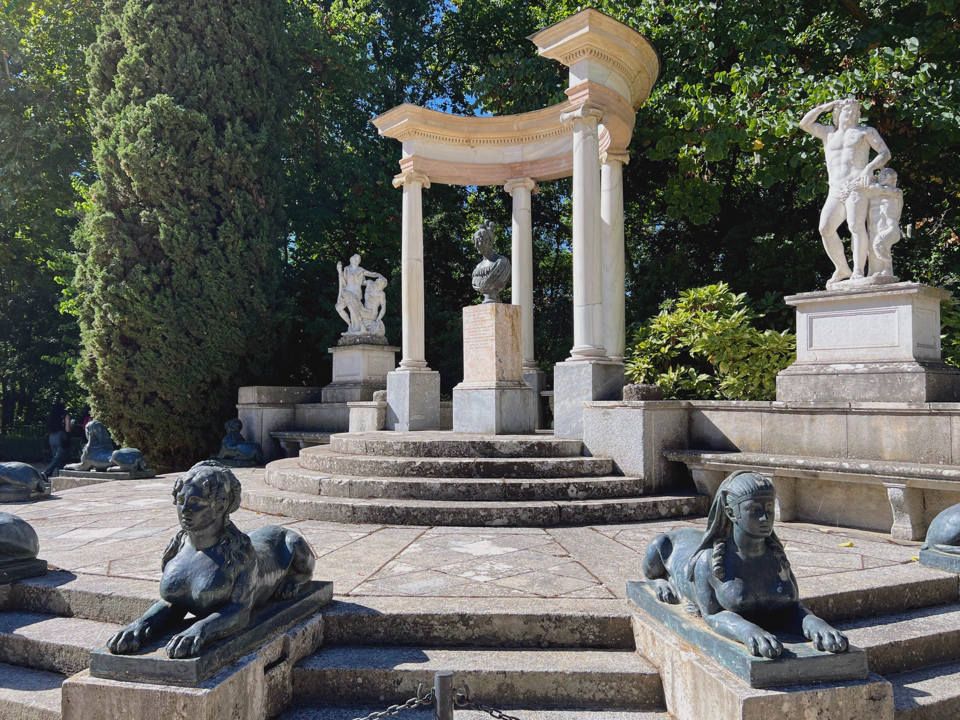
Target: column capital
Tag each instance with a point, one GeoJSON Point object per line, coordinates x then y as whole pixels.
{"type": "Point", "coordinates": [409, 177]}
{"type": "Point", "coordinates": [612, 156]}
{"type": "Point", "coordinates": [584, 112]}
{"type": "Point", "coordinates": [522, 182]}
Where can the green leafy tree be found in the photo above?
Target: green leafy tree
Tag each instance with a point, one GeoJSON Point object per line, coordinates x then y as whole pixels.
{"type": "Point", "coordinates": [703, 345]}
{"type": "Point", "coordinates": [181, 244]}
{"type": "Point", "coordinates": [44, 162]}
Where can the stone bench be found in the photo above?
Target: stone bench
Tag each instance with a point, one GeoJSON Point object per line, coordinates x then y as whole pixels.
{"type": "Point", "coordinates": [293, 441]}
{"type": "Point", "coordinates": [901, 498]}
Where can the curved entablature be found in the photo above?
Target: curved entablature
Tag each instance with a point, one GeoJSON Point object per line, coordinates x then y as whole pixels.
{"type": "Point", "coordinates": [612, 68]}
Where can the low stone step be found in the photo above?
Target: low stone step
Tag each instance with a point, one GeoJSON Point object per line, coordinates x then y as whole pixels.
{"type": "Point", "coordinates": [260, 497]}
{"type": "Point", "coordinates": [615, 679]}
{"type": "Point", "coordinates": [27, 694]}
{"type": "Point", "coordinates": [288, 475]}
{"type": "Point", "coordinates": [455, 445]}
{"type": "Point", "coordinates": [931, 693]}
{"type": "Point", "coordinates": [325, 459]}
{"type": "Point", "coordinates": [346, 712]}
{"type": "Point", "coordinates": [908, 641]}
{"type": "Point", "coordinates": [45, 642]}
{"type": "Point", "coordinates": [93, 597]}
{"type": "Point", "coordinates": [479, 622]}
{"type": "Point", "coordinates": [877, 591]}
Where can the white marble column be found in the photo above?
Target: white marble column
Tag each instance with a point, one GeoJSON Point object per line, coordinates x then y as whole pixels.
{"type": "Point", "coordinates": [611, 214]}
{"type": "Point", "coordinates": [521, 260]}
{"type": "Point", "coordinates": [587, 233]}
{"type": "Point", "coordinates": [411, 268]}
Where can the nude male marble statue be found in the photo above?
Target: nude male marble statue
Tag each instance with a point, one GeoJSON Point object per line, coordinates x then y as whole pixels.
{"type": "Point", "coordinates": [361, 302]}
{"type": "Point", "coordinates": [850, 173]}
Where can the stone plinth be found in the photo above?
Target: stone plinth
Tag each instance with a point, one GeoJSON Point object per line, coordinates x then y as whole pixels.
{"type": "Point", "coordinates": [367, 416]}
{"type": "Point", "coordinates": [696, 687]}
{"type": "Point", "coordinates": [577, 382]}
{"type": "Point", "coordinates": [876, 343]}
{"type": "Point", "coordinates": [938, 559]}
{"type": "Point", "coordinates": [13, 570]}
{"type": "Point", "coordinates": [413, 400]}
{"type": "Point", "coordinates": [493, 398]}
{"type": "Point", "coordinates": [359, 370]}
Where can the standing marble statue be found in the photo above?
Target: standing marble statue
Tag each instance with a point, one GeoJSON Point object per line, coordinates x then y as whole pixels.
{"type": "Point", "coordinates": [361, 302]}
{"type": "Point", "coordinates": [492, 275]}
{"type": "Point", "coordinates": [854, 190]}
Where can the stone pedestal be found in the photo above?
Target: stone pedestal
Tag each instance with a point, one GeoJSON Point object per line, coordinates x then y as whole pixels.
{"type": "Point", "coordinates": [537, 379]}
{"type": "Point", "coordinates": [13, 570]}
{"type": "Point", "coordinates": [876, 343]}
{"type": "Point", "coordinates": [577, 382]}
{"type": "Point", "coordinates": [359, 370]}
{"type": "Point", "coordinates": [493, 399]}
{"type": "Point", "coordinates": [413, 400]}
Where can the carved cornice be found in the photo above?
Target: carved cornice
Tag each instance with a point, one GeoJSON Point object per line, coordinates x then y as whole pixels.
{"type": "Point", "coordinates": [409, 177]}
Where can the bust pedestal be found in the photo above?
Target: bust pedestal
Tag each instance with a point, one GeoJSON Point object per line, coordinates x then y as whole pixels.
{"type": "Point", "coordinates": [873, 343]}
{"type": "Point", "coordinates": [493, 399]}
{"type": "Point", "coordinates": [359, 370]}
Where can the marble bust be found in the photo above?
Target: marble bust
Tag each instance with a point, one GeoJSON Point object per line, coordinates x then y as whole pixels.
{"type": "Point", "coordinates": [215, 572]}
{"type": "Point", "coordinates": [870, 206]}
{"type": "Point", "coordinates": [361, 302]}
{"type": "Point", "coordinates": [736, 574]}
{"type": "Point", "coordinates": [492, 275]}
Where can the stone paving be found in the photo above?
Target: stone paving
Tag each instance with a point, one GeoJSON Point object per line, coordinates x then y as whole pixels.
{"type": "Point", "coordinates": [119, 529]}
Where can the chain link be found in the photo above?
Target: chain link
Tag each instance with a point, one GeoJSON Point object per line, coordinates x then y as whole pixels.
{"type": "Point", "coordinates": [411, 704]}
{"type": "Point", "coordinates": [463, 700]}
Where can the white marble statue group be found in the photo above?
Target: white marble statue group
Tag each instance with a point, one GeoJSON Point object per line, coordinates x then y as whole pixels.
{"type": "Point", "coordinates": [863, 192]}
{"type": "Point", "coordinates": [361, 301]}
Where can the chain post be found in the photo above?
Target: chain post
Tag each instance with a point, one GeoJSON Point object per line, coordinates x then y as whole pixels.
{"type": "Point", "coordinates": [443, 695]}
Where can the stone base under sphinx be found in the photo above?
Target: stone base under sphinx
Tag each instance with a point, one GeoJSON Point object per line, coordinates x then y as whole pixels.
{"type": "Point", "coordinates": [69, 479]}
{"type": "Point", "coordinates": [870, 343]}
{"type": "Point", "coordinates": [151, 665]}
{"type": "Point", "coordinates": [13, 570]}
{"type": "Point", "coordinates": [938, 559]}
{"type": "Point", "coordinates": [359, 370]}
{"type": "Point", "coordinates": [11, 495]}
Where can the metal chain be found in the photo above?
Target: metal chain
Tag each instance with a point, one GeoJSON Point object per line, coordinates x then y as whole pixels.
{"type": "Point", "coordinates": [410, 704]}
{"type": "Point", "coordinates": [463, 700]}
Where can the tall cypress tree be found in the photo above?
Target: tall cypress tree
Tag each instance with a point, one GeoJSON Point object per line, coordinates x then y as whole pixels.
{"type": "Point", "coordinates": [181, 244]}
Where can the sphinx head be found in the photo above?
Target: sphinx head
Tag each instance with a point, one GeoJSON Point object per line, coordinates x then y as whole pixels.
{"type": "Point", "coordinates": [97, 434]}
{"type": "Point", "coordinates": [233, 425]}
{"type": "Point", "coordinates": [749, 502]}
{"type": "Point", "coordinates": [205, 495]}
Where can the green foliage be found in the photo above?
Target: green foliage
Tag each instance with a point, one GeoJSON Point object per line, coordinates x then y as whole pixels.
{"type": "Point", "coordinates": [703, 346]}
{"type": "Point", "coordinates": [44, 157]}
{"type": "Point", "coordinates": [180, 247]}
{"type": "Point", "coordinates": [950, 327]}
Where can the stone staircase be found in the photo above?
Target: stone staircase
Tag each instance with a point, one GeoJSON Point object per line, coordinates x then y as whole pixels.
{"type": "Point", "coordinates": [535, 658]}
{"type": "Point", "coordinates": [444, 478]}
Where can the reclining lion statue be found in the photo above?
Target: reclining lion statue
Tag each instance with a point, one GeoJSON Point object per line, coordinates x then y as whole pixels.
{"type": "Point", "coordinates": [214, 571]}
{"type": "Point", "coordinates": [99, 453]}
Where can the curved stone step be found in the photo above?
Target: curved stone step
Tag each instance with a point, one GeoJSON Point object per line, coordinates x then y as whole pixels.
{"type": "Point", "coordinates": [288, 475]}
{"type": "Point", "coordinates": [908, 641]}
{"type": "Point", "coordinates": [340, 712]}
{"type": "Point", "coordinates": [47, 642]}
{"type": "Point", "coordinates": [932, 693]}
{"type": "Point", "coordinates": [27, 694]}
{"type": "Point", "coordinates": [261, 497]}
{"type": "Point", "coordinates": [454, 445]}
{"type": "Point", "coordinates": [616, 679]}
{"type": "Point", "coordinates": [325, 459]}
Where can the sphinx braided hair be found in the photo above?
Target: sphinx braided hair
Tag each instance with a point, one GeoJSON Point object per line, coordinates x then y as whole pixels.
{"type": "Point", "coordinates": [219, 484]}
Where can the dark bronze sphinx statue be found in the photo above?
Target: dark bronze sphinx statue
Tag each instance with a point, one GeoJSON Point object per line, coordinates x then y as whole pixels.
{"type": "Point", "coordinates": [736, 574]}
{"type": "Point", "coordinates": [213, 570]}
